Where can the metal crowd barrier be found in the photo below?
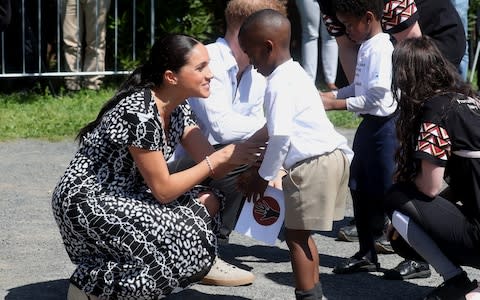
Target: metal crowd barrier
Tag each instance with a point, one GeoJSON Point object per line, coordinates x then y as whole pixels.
{"type": "Point", "coordinates": [40, 70]}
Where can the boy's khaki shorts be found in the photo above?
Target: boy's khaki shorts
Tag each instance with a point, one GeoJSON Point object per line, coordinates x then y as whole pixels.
{"type": "Point", "coordinates": [315, 191]}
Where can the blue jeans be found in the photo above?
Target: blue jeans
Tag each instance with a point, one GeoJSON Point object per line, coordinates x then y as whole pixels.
{"type": "Point", "coordinates": [309, 11]}
{"type": "Point", "coordinates": [462, 9]}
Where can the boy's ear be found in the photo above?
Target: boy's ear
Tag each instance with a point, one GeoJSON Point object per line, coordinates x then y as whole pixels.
{"type": "Point", "coordinates": [170, 77]}
{"type": "Point", "coordinates": [370, 17]}
{"type": "Point", "coordinates": [269, 45]}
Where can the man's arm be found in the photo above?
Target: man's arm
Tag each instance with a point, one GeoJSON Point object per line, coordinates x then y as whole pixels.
{"type": "Point", "coordinates": [217, 112]}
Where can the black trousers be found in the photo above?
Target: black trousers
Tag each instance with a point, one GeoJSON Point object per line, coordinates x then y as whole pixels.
{"type": "Point", "coordinates": [370, 221]}
{"type": "Point", "coordinates": [457, 235]}
{"type": "Point", "coordinates": [371, 175]}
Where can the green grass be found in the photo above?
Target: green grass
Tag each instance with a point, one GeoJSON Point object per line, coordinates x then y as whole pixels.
{"type": "Point", "coordinates": [343, 119]}
{"type": "Point", "coordinates": [32, 115]}
{"type": "Point", "coordinates": [43, 116]}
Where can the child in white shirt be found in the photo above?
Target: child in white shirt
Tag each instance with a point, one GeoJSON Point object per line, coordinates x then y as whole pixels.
{"type": "Point", "coordinates": [369, 96]}
{"type": "Point", "coordinates": [302, 140]}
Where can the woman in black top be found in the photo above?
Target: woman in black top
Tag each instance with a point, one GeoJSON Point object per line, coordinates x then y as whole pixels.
{"type": "Point", "coordinates": [402, 19]}
{"type": "Point", "coordinates": [438, 131]}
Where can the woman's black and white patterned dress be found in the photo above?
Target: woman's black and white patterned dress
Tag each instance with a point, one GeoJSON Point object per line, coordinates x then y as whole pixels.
{"type": "Point", "coordinates": [127, 245]}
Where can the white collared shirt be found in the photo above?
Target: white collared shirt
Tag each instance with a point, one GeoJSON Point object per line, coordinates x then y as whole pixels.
{"type": "Point", "coordinates": [234, 110]}
{"type": "Point", "coordinates": [298, 126]}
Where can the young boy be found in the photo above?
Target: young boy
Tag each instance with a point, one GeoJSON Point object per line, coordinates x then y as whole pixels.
{"type": "Point", "coordinates": [302, 140]}
{"type": "Point", "coordinates": [369, 96]}
{"type": "Point", "coordinates": [232, 112]}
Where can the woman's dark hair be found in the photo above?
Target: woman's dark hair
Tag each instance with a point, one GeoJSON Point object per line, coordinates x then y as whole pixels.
{"type": "Point", "coordinates": [170, 52]}
{"type": "Point", "coordinates": [359, 8]}
{"type": "Point", "coordinates": [420, 71]}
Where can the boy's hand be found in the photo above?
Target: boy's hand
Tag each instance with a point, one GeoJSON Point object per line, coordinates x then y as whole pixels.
{"type": "Point", "coordinates": [328, 99]}
{"type": "Point", "coordinates": [251, 184]}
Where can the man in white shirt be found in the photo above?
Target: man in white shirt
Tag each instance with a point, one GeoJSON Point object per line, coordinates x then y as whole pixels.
{"type": "Point", "coordinates": [232, 112]}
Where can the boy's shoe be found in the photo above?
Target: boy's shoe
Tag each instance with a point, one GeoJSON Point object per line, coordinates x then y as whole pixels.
{"type": "Point", "coordinates": [408, 269]}
{"type": "Point", "coordinates": [452, 289]}
{"type": "Point", "coordinates": [349, 234]}
{"type": "Point", "coordinates": [356, 264]}
{"type": "Point", "coordinates": [225, 274]}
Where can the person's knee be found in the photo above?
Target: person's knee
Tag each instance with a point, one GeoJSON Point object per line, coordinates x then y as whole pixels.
{"type": "Point", "coordinates": [404, 198]}
{"type": "Point", "coordinates": [395, 198]}
{"type": "Point", "coordinates": [210, 201]}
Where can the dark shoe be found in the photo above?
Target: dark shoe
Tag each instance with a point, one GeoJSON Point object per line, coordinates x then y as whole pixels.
{"type": "Point", "coordinates": [354, 265]}
{"type": "Point", "coordinates": [408, 269]}
{"type": "Point", "coordinates": [453, 289]}
{"type": "Point", "coordinates": [382, 245]}
{"type": "Point", "coordinates": [332, 86]}
{"type": "Point", "coordinates": [348, 233]}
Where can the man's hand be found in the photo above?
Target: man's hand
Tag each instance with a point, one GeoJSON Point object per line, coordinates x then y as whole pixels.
{"type": "Point", "coordinates": [251, 184]}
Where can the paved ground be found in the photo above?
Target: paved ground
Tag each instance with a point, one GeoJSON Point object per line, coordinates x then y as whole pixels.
{"type": "Point", "coordinates": [34, 264]}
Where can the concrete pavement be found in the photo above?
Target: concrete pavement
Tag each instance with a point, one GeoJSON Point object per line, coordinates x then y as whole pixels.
{"type": "Point", "coordinates": [34, 264]}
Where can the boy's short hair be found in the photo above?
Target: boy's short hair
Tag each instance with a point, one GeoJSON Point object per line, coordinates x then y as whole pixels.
{"type": "Point", "coordinates": [359, 7]}
{"type": "Point", "coordinates": [238, 10]}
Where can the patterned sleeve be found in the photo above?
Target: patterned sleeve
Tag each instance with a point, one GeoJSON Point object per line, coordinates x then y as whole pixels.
{"type": "Point", "coordinates": [133, 123]}
{"type": "Point", "coordinates": [189, 118]}
{"type": "Point", "coordinates": [433, 142]}
{"type": "Point", "coordinates": [398, 15]}
{"type": "Point", "coordinates": [333, 25]}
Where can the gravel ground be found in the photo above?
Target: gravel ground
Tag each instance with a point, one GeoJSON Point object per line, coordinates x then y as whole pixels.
{"type": "Point", "coordinates": [34, 264]}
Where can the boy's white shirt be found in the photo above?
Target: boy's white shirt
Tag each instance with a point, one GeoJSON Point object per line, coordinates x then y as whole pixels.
{"type": "Point", "coordinates": [370, 93]}
{"type": "Point", "coordinates": [298, 127]}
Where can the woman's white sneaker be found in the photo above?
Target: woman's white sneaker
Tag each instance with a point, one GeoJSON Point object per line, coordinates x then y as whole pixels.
{"type": "Point", "coordinates": [225, 274]}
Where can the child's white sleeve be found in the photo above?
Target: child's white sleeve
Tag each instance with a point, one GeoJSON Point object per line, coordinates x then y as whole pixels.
{"type": "Point", "coordinates": [345, 92]}
{"type": "Point", "coordinates": [374, 98]}
{"type": "Point", "coordinates": [275, 155]}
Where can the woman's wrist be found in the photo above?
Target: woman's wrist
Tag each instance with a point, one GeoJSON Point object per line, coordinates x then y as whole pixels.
{"type": "Point", "coordinates": [210, 165]}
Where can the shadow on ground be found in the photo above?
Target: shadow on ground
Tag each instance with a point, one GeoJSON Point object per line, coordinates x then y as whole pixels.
{"type": "Point", "coordinates": [57, 290]}
{"type": "Point", "coordinates": [357, 286]}
{"type": "Point", "coordinates": [236, 254]}
{"type": "Point", "coordinates": [47, 290]}
{"type": "Point", "coordinates": [193, 294]}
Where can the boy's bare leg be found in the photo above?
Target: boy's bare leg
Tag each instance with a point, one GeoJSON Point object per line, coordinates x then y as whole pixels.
{"type": "Point", "coordinates": [304, 258]}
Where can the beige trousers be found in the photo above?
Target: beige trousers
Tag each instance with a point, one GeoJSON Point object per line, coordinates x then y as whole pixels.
{"type": "Point", "coordinates": [84, 20]}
